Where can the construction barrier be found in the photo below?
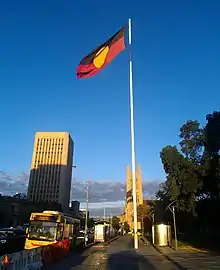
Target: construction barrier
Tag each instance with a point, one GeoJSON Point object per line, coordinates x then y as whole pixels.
{"type": "Point", "coordinates": [33, 259]}
{"type": "Point", "coordinates": [24, 260]}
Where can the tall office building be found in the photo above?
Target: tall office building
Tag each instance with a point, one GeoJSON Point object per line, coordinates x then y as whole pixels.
{"type": "Point", "coordinates": [129, 194]}
{"type": "Point", "coordinates": [51, 168]}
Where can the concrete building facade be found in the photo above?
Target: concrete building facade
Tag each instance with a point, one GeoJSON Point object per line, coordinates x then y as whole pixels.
{"type": "Point", "coordinates": [51, 168]}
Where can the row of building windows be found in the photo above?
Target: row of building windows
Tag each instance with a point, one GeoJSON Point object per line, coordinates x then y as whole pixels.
{"type": "Point", "coordinates": [42, 181]}
{"type": "Point", "coordinates": [44, 188]}
{"type": "Point", "coordinates": [57, 140]}
{"type": "Point", "coordinates": [52, 151]}
{"type": "Point", "coordinates": [51, 147]}
{"type": "Point", "coordinates": [52, 186]}
{"type": "Point", "coordinates": [49, 165]}
{"type": "Point", "coordinates": [45, 175]}
{"type": "Point", "coordinates": [46, 147]}
{"type": "Point", "coordinates": [56, 160]}
{"type": "Point", "coordinates": [42, 161]}
{"type": "Point", "coordinates": [39, 199]}
{"type": "Point", "coordinates": [49, 168]}
{"type": "Point", "coordinates": [35, 184]}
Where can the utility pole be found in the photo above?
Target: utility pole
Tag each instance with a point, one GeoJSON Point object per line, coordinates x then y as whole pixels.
{"type": "Point", "coordinates": [87, 209]}
{"type": "Point", "coordinates": [104, 209]}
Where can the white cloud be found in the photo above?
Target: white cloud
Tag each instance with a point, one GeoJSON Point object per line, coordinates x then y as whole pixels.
{"type": "Point", "coordinates": [110, 191]}
{"type": "Point", "coordinates": [113, 192]}
{"type": "Point", "coordinates": [10, 184]}
{"type": "Point", "coordinates": [101, 205]}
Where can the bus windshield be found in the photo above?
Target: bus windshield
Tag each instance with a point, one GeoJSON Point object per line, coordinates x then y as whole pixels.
{"type": "Point", "coordinates": [42, 230]}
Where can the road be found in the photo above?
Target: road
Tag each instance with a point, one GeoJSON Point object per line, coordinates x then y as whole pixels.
{"type": "Point", "coordinates": [120, 255]}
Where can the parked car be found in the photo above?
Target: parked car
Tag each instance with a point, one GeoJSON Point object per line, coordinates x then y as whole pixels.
{"type": "Point", "coordinates": [11, 240]}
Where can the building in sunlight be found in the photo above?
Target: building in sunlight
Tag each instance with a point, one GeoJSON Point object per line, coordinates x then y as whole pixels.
{"type": "Point", "coordinates": [128, 215]}
{"type": "Point", "coordinates": [51, 168]}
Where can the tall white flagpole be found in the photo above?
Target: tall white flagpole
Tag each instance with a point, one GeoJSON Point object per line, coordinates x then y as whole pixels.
{"type": "Point", "coordinates": [132, 142]}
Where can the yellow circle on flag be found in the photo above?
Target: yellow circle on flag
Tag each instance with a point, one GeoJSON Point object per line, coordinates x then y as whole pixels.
{"type": "Point", "coordinates": [100, 57]}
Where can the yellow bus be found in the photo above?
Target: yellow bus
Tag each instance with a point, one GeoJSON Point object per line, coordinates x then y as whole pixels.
{"type": "Point", "coordinates": [53, 228]}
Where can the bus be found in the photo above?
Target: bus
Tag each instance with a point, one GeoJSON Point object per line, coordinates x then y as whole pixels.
{"type": "Point", "coordinates": [53, 228]}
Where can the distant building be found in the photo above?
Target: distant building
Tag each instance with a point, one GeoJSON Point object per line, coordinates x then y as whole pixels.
{"type": "Point", "coordinates": [128, 215]}
{"type": "Point", "coordinates": [51, 168]}
{"type": "Point", "coordinates": [15, 211]}
{"type": "Point", "coordinates": [83, 211]}
{"type": "Point", "coordinates": [74, 210]}
{"type": "Point", "coordinates": [20, 196]}
{"type": "Point", "coordinates": [75, 206]}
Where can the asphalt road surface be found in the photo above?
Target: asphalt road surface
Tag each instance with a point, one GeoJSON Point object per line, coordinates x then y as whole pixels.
{"type": "Point", "coordinates": [120, 255]}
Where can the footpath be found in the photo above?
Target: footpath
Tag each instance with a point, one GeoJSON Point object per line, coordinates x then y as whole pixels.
{"type": "Point", "coordinates": [187, 258]}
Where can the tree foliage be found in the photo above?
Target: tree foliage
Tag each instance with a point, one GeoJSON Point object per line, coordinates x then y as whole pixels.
{"type": "Point", "coordinates": [143, 210]}
{"type": "Point", "coordinates": [182, 182]}
{"type": "Point", "coordinates": [116, 222]}
{"type": "Point", "coordinates": [193, 169]}
{"type": "Point", "coordinates": [192, 141]}
{"type": "Point", "coordinates": [126, 227]}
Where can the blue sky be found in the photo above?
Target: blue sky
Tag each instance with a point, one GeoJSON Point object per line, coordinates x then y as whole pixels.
{"type": "Point", "coordinates": [176, 77]}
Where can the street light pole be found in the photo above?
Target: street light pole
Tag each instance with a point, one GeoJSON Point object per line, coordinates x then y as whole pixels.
{"type": "Point", "coordinates": [174, 225]}
{"type": "Point", "coordinates": [87, 209]}
{"type": "Point", "coordinates": [72, 180]}
{"type": "Point", "coordinates": [104, 211]}
{"type": "Point", "coordinates": [172, 210]}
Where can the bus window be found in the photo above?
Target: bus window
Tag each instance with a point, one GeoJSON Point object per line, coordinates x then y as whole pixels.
{"type": "Point", "coordinates": [66, 232]}
{"type": "Point", "coordinates": [76, 228]}
{"type": "Point", "coordinates": [39, 230]}
{"type": "Point", "coordinates": [71, 230]}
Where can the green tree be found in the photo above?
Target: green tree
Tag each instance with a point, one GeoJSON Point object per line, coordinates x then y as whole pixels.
{"type": "Point", "coordinates": [143, 210]}
{"type": "Point", "coordinates": [181, 181]}
{"type": "Point", "coordinates": [211, 158]}
{"type": "Point", "coordinates": [192, 142]}
{"type": "Point", "coordinates": [116, 222]}
{"type": "Point", "coordinates": [126, 227]}
{"type": "Point", "coordinates": [193, 172]}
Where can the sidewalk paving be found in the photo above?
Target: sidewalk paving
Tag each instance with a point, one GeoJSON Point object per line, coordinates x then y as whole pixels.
{"type": "Point", "coordinates": [190, 258]}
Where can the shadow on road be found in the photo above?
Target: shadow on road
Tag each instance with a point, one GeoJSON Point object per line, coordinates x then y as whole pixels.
{"type": "Point", "coordinates": [131, 243]}
{"type": "Point", "coordinates": [73, 259]}
{"type": "Point", "coordinates": [128, 260]}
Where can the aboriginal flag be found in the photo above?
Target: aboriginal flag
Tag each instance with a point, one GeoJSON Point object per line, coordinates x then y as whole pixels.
{"type": "Point", "coordinates": [102, 55]}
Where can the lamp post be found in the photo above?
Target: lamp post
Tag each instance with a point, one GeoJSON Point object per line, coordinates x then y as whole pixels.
{"type": "Point", "coordinates": [151, 214]}
{"type": "Point", "coordinates": [174, 225]}
{"type": "Point", "coordinates": [172, 210]}
{"type": "Point", "coordinates": [72, 181]}
{"type": "Point", "coordinates": [103, 199]}
{"type": "Point", "coordinates": [86, 217]}
{"type": "Point", "coordinates": [87, 210]}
